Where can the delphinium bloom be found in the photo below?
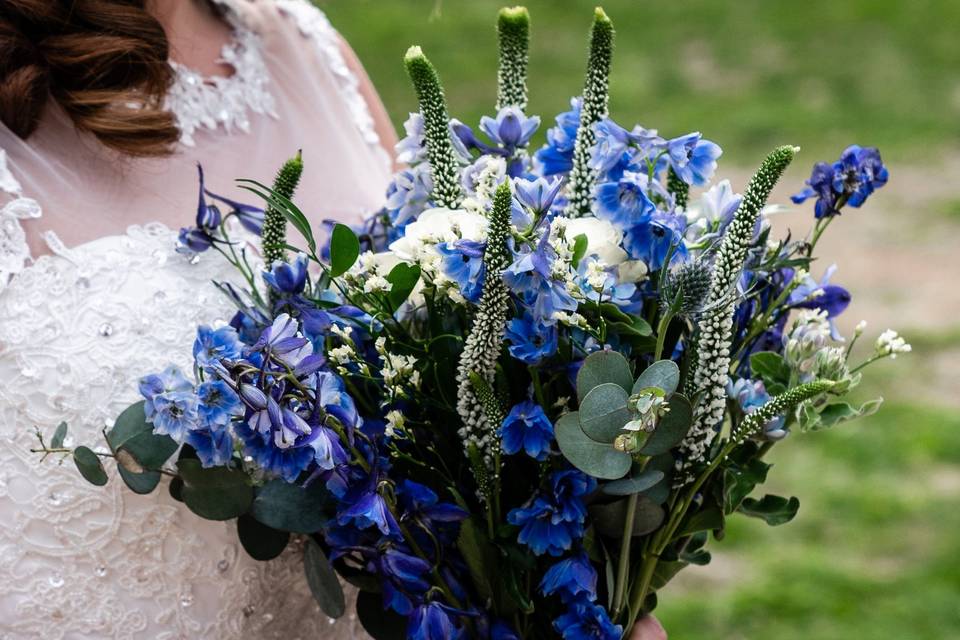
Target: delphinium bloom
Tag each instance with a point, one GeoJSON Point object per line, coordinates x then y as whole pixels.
{"type": "Point", "coordinates": [554, 519]}
{"type": "Point", "coordinates": [571, 578]}
{"type": "Point", "coordinates": [434, 621]}
{"type": "Point", "coordinates": [531, 278]}
{"type": "Point", "coordinates": [557, 155]}
{"type": "Point", "coordinates": [654, 240]}
{"type": "Point", "coordinates": [692, 158]}
{"type": "Point", "coordinates": [531, 341]}
{"type": "Point", "coordinates": [209, 219]}
{"type": "Point", "coordinates": [527, 428]}
{"type": "Point", "coordinates": [462, 262]}
{"type": "Point", "coordinates": [848, 181]}
{"type": "Point", "coordinates": [586, 621]}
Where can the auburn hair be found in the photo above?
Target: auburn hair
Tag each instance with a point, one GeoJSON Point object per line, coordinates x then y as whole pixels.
{"type": "Point", "coordinates": [104, 62]}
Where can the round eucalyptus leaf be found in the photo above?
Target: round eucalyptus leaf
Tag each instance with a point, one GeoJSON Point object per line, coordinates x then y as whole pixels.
{"type": "Point", "coordinates": [604, 412]}
{"type": "Point", "coordinates": [133, 433]}
{"type": "Point", "coordinates": [635, 484]}
{"type": "Point", "coordinates": [289, 507]}
{"type": "Point", "coordinates": [600, 367]}
{"type": "Point", "coordinates": [609, 519]}
{"type": "Point", "coordinates": [89, 465]}
{"type": "Point", "coordinates": [260, 541]}
{"type": "Point", "coordinates": [59, 436]}
{"type": "Point", "coordinates": [672, 428]}
{"type": "Point", "coordinates": [593, 458]}
{"type": "Point", "coordinates": [323, 581]}
{"type": "Point", "coordinates": [126, 460]}
{"type": "Point", "coordinates": [176, 489]}
{"type": "Point", "coordinates": [217, 493]}
{"type": "Point", "coordinates": [663, 463]}
{"type": "Point", "coordinates": [662, 374]}
{"type": "Point", "coordinates": [142, 483]}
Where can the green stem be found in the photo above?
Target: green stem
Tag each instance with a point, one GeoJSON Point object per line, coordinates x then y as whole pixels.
{"type": "Point", "coordinates": [623, 563]}
{"type": "Point", "coordinates": [662, 333]}
{"type": "Point", "coordinates": [641, 590]}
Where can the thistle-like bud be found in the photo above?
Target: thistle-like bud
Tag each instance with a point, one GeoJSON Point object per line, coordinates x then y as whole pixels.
{"type": "Point", "coordinates": [478, 361]}
{"type": "Point", "coordinates": [513, 29]}
{"type": "Point", "coordinates": [273, 237]}
{"type": "Point", "coordinates": [686, 288]}
{"type": "Point", "coordinates": [779, 405]}
{"type": "Point", "coordinates": [595, 105]}
{"type": "Point", "coordinates": [445, 169]}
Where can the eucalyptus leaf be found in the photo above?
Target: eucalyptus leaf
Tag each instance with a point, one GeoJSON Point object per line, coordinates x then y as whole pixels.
{"type": "Point", "coordinates": [479, 555]}
{"type": "Point", "coordinates": [217, 493]}
{"type": "Point", "coordinates": [609, 519]}
{"type": "Point", "coordinates": [634, 484]}
{"type": "Point", "coordinates": [89, 465]}
{"type": "Point", "coordinates": [662, 374]}
{"type": "Point", "coordinates": [141, 483]}
{"type": "Point", "coordinates": [59, 436]}
{"type": "Point", "coordinates": [671, 428]}
{"type": "Point", "coordinates": [600, 367]}
{"type": "Point", "coordinates": [322, 580]}
{"type": "Point", "coordinates": [131, 432]}
{"type": "Point", "coordinates": [289, 507]}
{"type": "Point", "coordinates": [663, 463]}
{"type": "Point", "coordinates": [774, 510]}
{"type": "Point", "coordinates": [260, 541]}
{"type": "Point", "coordinates": [604, 412]}
{"type": "Point", "coordinates": [403, 279]}
{"type": "Point", "coordinates": [704, 520]}
{"type": "Point", "coordinates": [593, 458]}
{"type": "Point", "coordinates": [344, 249]}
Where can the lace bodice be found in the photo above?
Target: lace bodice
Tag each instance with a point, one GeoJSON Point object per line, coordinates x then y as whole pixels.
{"type": "Point", "coordinates": [77, 329]}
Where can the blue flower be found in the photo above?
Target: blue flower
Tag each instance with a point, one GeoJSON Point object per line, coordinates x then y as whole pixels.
{"type": "Point", "coordinates": [208, 216]}
{"type": "Point", "coordinates": [365, 508]}
{"type": "Point", "coordinates": [530, 341]}
{"type": "Point", "coordinates": [822, 295]}
{"type": "Point", "coordinates": [511, 129]}
{"type": "Point", "coordinates": [502, 631]}
{"type": "Point", "coordinates": [531, 279]}
{"type": "Point", "coordinates": [557, 155]}
{"type": "Point", "coordinates": [403, 577]}
{"type": "Point", "coordinates": [850, 180]}
{"type": "Point", "coordinates": [213, 345]}
{"type": "Point", "coordinates": [586, 621]}
{"type": "Point", "coordinates": [570, 578]}
{"type": "Point", "coordinates": [569, 487]}
{"type": "Point", "coordinates": [409, 194]}
{"type": "Point", "coordinates": [751, 396]}
{"type": "Point", "coordinates": [693, 159]}
{"type": "Point", "coordinates": [433, 621]}
{"type": "Point", "coordinates": [195, 240]}
{"type": "Point", "coordinates": [169, 380]}
{"type": "Point", "coordinates": [218, 403]}
{"type": "Point", "coordinates": [527, 427]}
{"type": "Point", "coordinates": [412, 148]}
{"type": "Point", "coordinates": [282, 341]}
{"type": "Point", "coordinates": [422, 504]}
{"type": "Point", "coordinates": [541, 530]}
{"type": "Point", "coordinates": [622, 294]}
{"type": "Point", "coordinates": [175, 414]}
{"type": "Point", "coordinates": [624, 203]}
{"type": "Point", "coordinates": [214, 447]}
{"type": "Point", "coordinates": [462, 261]}
{"type": "Point", "coordinates": [652, 240]}
{"type": "Point", "coordinates": [612, 142]}
{"type": "Point", "coordinates": [538, 194]}
{"type": "Point", "coordinates": [289, 278]}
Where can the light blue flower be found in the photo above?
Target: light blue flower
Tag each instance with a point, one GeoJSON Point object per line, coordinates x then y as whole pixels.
{"type": "Point", "coordinates": [408, 195]}
{"type": "Point", "coordinates": [462, 262]}
{"type": "Point", "coordinates": [530, 341]}
{"type": "Point", "coordinates": [218, 404]}
{"type": "Point", "coordinates": [751, 395]}
{"type": "Point", "coordinates": [169, 380]}
{"type": "Point", "coordinates": [652, 240]}
{"type": "Point", "coordinates": [537, 194]}
{"type": "Point", "coordinates": [692, 158]}
{"type": "Point", "coordinates": [511, 128]}
{"type": "Point", "coordinates": [213, 345]}
{"type": "Point", "coordinates": [175, 414]}
{"type": "Point", "coordinates": [624, 203]}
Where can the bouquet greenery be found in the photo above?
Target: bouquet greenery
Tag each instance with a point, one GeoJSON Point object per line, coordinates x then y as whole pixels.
{"type": "Point", "coordinates": [521, 397]}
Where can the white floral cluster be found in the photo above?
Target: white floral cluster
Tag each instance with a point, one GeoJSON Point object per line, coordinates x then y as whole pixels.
{"type": "Point", "coordinates": [480, 180]}
{"type": "Point", "coordinates": [399, 372]}
{"type": "Point", "coordinates": [369, 273]}
{"type": "Point", "coordinates": [345, 353]}
{"type": "Point", "coordinates": [890, 343]}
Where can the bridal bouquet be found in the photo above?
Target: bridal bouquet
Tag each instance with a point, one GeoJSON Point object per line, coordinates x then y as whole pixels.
{"type": "Point", "coordinates": [524, 395]}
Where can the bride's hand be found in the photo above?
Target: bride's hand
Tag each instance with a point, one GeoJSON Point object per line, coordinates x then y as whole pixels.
{"type": "Point", "coordinates": [648, 628]}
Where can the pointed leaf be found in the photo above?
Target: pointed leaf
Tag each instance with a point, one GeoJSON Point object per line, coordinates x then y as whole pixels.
{"type": "Point", "coordinates": [662, 374]}
{"type": "Point", "coordinates": [59, 436]}
{"type": "Point", "coordinates": [600, 367]}
{"type": "Point", "coordinates": [604, 412]}
{"type": "Point", "coordinates": [323, 581]}
{"type": "Point", "coordinates": [403, 279]}
{"type": "Point", "coordinates": [672, 428]}
{"type": "Point", "coordinates": [593, 458]}
{"type": "Point", "coordinates": [344, 249]}
{"type": "Point", "coordinates": [89, 465]}
{"type": "Point", "coordinates": [579, 249]}
{"type": "Point", "coordinates": [479, 556]}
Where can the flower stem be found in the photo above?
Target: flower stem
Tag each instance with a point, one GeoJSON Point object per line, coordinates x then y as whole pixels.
{"type": "Point", "coordinates": [623, 563]}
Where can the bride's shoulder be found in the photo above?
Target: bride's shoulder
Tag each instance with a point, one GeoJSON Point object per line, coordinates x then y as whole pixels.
{"type": "Point", "coordinates": [278, 17]}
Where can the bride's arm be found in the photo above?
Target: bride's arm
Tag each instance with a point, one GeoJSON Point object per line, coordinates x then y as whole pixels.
{"type": "Point", "coordinates": [382, 124]}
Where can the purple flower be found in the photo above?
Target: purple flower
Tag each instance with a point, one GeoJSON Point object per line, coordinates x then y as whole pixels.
{"type": "Point", "coordinates": [364, 507]}
{"type": "Point", "coordinates": [851, 180]}
{"type": "Point", "coordinates": [527, 427]}
{"type": "Point", "coordinates": [283, 342]}
{"type": "Point", "coordinates": [511, 129]}
{"type": "Point", "coordinates": [538, 194]}
{"type": "Point", "coordinates": [422, 504]}
{"type": "Point", "coordinates": [403, 577]}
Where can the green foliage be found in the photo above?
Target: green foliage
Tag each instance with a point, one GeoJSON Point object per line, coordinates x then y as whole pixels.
{"type": "Point", "coordinates": [739, 480]}
{"type": "Point", "coordinates": [646, 479]}
{"type": "Point", "coordinates": [772, 369]}
{"type": "Point", "coordinates": [830, 415]}
{"type": "Point", "coordinates": [274, 233]}
{"type": "Point", "coordinates": [513, 28]}
{"type": "Point", "coordinates": [289, 507]}
{"type": "Point", "coordinates": [88, 463]}
{"type": "Point", "coordinates": [774, 510]}
{"type": "Point", "coordinates": [671, 428]}
{"type": "Point", "coordinates": [131, 433]}
{"type": "Point", "coordinates": [610, 518]}
{"type": "Point", "coordinates": [604, 412]}
{"type": "Point", "coordinates": [600, 367]}
{"type": "Point", "coordinates": [677, 187]}
{"type": "Point", "coordinates": [479, 555]}
{"type": "Point", "coordinates": [323, 581]}
{"type": "Point", "coordinates": [662, 374]}
{"type": "Point", "coordinates": [217, 493]}
{"type": "Point", "coordinates": [141, 483]}
{"type": "Point", "coordinates": [260, 541]}
{"type": "Point", "coordinates": [580, 244]}
{"type": "Point", "coordinates": [403, 279]}
{"type": "Point", "coordinates": [597, 459]}
{"type": "Point", "coordinates": [291, 212]}
{"type": "Point", "coordinates": [344, 249]}
{"type": "Point", "coordinates": [380, 623]}
{"type": "Point", "coordinates": [59, 435]}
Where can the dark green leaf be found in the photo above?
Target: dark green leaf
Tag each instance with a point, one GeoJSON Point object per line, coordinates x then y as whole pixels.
{"type": "Point", "coordinates": [774, 510]}
{"type": "Point", "coordinates": [402, 278]}
{"type": "Point", "coordinates": [176, 489]}
{"type": "Point", "coordinates": [380, 623]}
{"type": "Point", "coordinates": [289, 507]}
{"type": "Point", "coordinates": [604, 412]}
{"type": "Point", "coordinates": [344, 249]}
{"type": "Point", "coordinates": [662, 374]}
{"type": "Point", "coordinates": [659, 492]}
{"type": "Point", "coordinates": [88, 463]}
{"type": "Point", "coordinates": [260, 541]}
{"type": "Point", "coordinates": [58, 436]}
{"type": "Point", "coordinates": [609, 518]}
{"type": "Point", "coordinates": [635, 484]}
{"type": "Point", "coordinates": [323, 580]}
{"type": "Point", "coordinates": [837, 412]}
{"type": "Point", "coordinates": [217, 493]}
{"type": "Point", "coordinates": [600, 367]}
{"type": "Point", "coordinates": [624, 322]}
{"type": "Point", "coordinates": [579, 250]}
{"type": "Point", "coordinates": [479, 556]}
{"type": "Point", "coordinates": [672, 428]}
{"type": "Point", "coordinates": [703, 520]}
{"type": "Point", "coordinates": [664, 572]}
{"type": "Point", "coordinates": [593, 458]}
{"type": "Point", "coordinates": [770, 367]}
{"type": "Point", "coordinates": [132, 433]}
{"type": "Point", "coordinates": [739, 481]}
{"type": "Point", "coordinates": [637, 327]}
{"type": "Point", "coordinates": [142, 483]}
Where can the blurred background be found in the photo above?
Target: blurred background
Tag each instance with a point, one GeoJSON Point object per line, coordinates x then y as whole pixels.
{"type": "Point", "coordinates": [875, 549]}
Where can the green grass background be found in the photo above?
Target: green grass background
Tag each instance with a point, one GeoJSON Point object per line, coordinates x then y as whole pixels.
{"type": "Point", "coordinates": [875, 550]}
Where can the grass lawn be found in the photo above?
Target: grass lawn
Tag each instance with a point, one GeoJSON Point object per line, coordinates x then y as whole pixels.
{"type": "Point", "coordinates": [749, 74]}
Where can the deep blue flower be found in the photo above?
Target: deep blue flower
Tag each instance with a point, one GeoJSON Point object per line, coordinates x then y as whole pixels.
{"type": "Point", "coordinates": [218, 403]}
{"type": "Point", "coordinates": [569, 487]}
{"type": "Point", "coordinates": [462, 261]}
{"type": "Point", "coordinates": [652, 240]}
{"type": "Point", "coordinates": [288, 277]}
{"type": "Point", "coordinates": [530, 341]}
{"type": "Point", "coordinates": [213, 345]}
{"type": "Point", "coordinates": [692, 158]}
{"type": "Point", "coordinates": [403, 577]}
{"type": "Point", "coordinates": [542, 530]}
{"type": "Point", "coordinates": [364, 507]}
{"type": "Point", "coordinates": [214, 447]}
{"type": "Point", "coordinates": [286, 463]}
{"type": "Point", "coordinates": [624, 203]}
{"type": "Point", "coordinates": [570, 578]}
{"type": "Point", "coordinates": [195, 240]}
{"type": "Point", "coordinates": [527, 427]}
{"type": "Point", "coordinates": [822, 295]}
{"type": "Point", "coordinates": [850, 180]}
{"type": "Point", "coordinates": [511, 129]}
{"type": "Point", "coordinates": [434, 621]}
{"type": "Point", "coordinates": [175, 414]}
{"type": "Point", "coordinates": [422, 504]}
{"type": "Point", "coordinates": [557, 155]}
{"type": "Point", "coordinates": [586, 621]}
{"type": "Point", "coordinates": [500, 630]}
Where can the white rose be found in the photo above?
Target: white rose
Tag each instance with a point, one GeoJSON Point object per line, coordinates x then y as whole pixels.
{"type": "Point", "coordinates": [603, 239]}
{"type": "Point", "coordinates": [632, 271]}
{"type": "Point", "coordinates": [435, 226]}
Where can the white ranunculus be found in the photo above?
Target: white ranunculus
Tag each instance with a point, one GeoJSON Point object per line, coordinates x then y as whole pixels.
{"type": "Point", "coordinates": [603, 239]}
{"type": "Point", "coordinates": [437, 225]}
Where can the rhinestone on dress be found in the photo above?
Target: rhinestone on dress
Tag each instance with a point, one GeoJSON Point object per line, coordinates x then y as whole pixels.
{"type": "Point", "coordinates": [186, 599]}
{"type": "Point", "coordinates": [105, 330]}
{"type": "Point", "coordinates": [56, 580]}
{"type": "Point", "coordinates": [249, 610]}
{"type": "Point", "coordinates": [223, 565]}
{"type": "Point", "coordinates": [100, 571]}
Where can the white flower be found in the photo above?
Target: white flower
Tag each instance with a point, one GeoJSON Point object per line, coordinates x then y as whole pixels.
{"type": "Point", "coordinates": [342, 354]}
{"type": "Point", "coordinates": [889, 343]}
{"type": "Point", "coordinates": [376, 284]}
{"type": "Point", "coordinates": [395, 422]}
{"type": "Point", "coordinates": [717, 203]}
{"type": "Point", "coordinates": [435, 226]}
{"type": "Point", "coordinates": [632, 271]}
{"type": "Point", "coordinates": [603, 239]}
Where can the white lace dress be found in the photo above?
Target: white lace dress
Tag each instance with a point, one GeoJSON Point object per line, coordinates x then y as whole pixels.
{"type": "Point", "coordinates": [79, 327]}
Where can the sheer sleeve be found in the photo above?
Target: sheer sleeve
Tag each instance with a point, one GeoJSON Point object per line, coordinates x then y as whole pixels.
{"type": "Point", "coordinates": [14, 251]}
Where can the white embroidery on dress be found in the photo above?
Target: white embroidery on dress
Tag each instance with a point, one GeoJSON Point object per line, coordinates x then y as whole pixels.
{"type": "Point", "coordinates": [14, 252]}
